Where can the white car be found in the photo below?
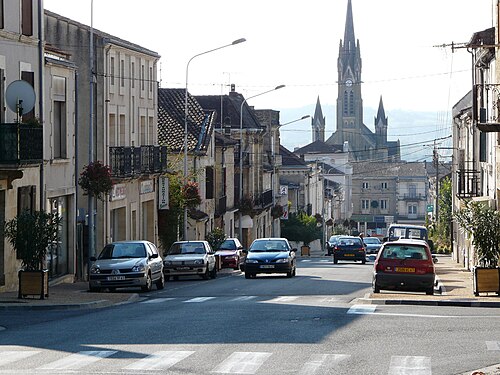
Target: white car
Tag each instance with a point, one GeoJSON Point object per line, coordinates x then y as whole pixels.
{"type": "Point", "coordinates": [190, 258]}
{"type": "Point", "coordinates": [127, 264]}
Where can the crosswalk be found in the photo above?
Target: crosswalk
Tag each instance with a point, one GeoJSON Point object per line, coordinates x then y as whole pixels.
{"type": "Point", "coordinates": [237, 362]}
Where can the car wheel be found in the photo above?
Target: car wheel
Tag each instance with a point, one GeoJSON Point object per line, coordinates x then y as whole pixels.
{"type": "Point", "coordinates": [363, 261]}
{"type": "Point", "coordinates": [376, 288]}
{"type": "Point", "coordinates": [206, 275]}
{"type": "Point", "coordinates": [94, 289]}
{"type": "Point", "coordinates": [247, 275]}
{"type": "Point", "coordinates": [112, 290]}
{"type": "Point", "coordinates": [335, 261]}
{"type": "Point", "coordinates": [167, 278]}
{"type": "Point", "coordinates": [176, 278]}
{"type": "Point", "coordinates": [289, 274]}
{"type": "Point", "coordinates": [149, 284]}
{"type": "Point", "coordinates": [213, 274]}
{"type": "Point", "coordinates": [160, 284]}
{"type": "Point", "coordinates": [237, 266]}
{"type": "Point", "coordinates": [430, 292]}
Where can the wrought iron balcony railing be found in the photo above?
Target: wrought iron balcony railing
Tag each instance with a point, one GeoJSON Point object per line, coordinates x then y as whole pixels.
{"type": "Point", "coordinates": [135, 161]}
{"type": "Point", "coordinates": [20, 145]}
{"type": "Point", "coordinates": [413, 197]}
{"type": "Point", "coordinates": [468, 183]}
{"type": "Point", "coordinates": [486, 103]}
{"type": "Point", "coordinates": [265, 199]}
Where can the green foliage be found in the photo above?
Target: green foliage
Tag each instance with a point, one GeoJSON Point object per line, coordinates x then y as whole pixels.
{"type": "Point", "coordinates": [482, 223]}
{"type": "Point", "coordinates": [277, 211]}
{"type": "Point", "coordinates": [215, 238]}
{"type": "Point", "coordinates": [95, 179]}
{"type": "Point", "coordinates": [31, 234]}
{"type": "Point", "coordinates": [300, 228]}
{"type": "Point", "coordinates": [340, 229]}
{"type": "Point", "coordinates": [440, 232]}
{"type": "Point", "coordinates": [170, 221]}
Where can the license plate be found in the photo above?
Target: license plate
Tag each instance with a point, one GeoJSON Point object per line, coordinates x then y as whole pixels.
{"type": "Point", "coordinates": [115, 278]}
{"type": "Point", "coordinates": [405, 269]}
{"type": "Point", "coordinates": [349, 255]}
{"type": "Point", "coordinates": [183, 268]}
{"type": "Point", "coordinates": [267, 266]}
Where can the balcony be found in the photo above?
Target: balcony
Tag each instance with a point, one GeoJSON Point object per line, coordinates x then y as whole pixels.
{"type": "Point", "coordinates": [265, 199]}
{"type": "Point", "coordinates": [20, 145]}
{"type": "Point", "coordinates": [468, 183]}
{"type": "Point", "coordinates": [413, 197]}
{"type": "Point", "coordinates": [129, 162]}
{"type": "Point", "coordinates": [485, 102]}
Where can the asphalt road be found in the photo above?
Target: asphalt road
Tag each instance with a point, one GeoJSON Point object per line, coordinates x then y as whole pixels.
{"type": "Point", "coordinates": [310, 324]}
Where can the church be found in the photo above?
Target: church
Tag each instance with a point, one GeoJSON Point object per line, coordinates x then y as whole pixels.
{"type": "Point", "coordinates": [362, 143]}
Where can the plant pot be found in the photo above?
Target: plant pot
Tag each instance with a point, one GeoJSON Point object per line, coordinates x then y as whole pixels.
{"type": "Point", "coordinates": [33, 283]}
{"type": "Point", "coordinates": [305, 250]}
{"type": "Point", "coordinates": [486, 280]}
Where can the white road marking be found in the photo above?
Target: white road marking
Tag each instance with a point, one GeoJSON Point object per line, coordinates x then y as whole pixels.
{"type": "Point", "coordinates": [305, 260]}
{"type": "Point", "coordinates": [199, 299]}
{"type": "Point", "coordinates": [493, 345]}
{"type": "Point", "coordinates": [9, 356]}
{"type": "Point", "coordinates": [77, 360]}
{"type": "Point", "coordinates": [161, 360]}
{"type": "Point", "coordinates": [362, 309]}
{"type": "Point", "coordinates": [283, 299]}
{"type": "Point", "coordinates": [243, 298]}
{"type": "Point", "coordinates": [319, 360]}
{"type": "Point", "coordinates": [407, 365]}
{"type": "Point", "coordinates": [242, 363]}
{"type": "Point", "coordinates": [158, 300]}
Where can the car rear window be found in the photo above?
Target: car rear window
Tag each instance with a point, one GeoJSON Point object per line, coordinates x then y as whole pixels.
{"type": "Point", "coordinates": [349, 242]}
{"type": "Point", "coordinates": [404, 252]}
{"type": "Point", "coordinates": [186, 248]}
{"type": "Point", "coordinates": [227, 245]}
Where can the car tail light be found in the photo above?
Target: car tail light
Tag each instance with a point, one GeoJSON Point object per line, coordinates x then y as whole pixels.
{"type": "Point", "coordinates": [379, 267]}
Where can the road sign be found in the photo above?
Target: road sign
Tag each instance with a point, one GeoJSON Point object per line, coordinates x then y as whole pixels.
{"type": "Point", "coordinates": [430, 208]}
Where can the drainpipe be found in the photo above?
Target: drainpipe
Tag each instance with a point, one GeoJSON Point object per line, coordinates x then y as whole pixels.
{"type": "Point", "coordinates": [41, 97]}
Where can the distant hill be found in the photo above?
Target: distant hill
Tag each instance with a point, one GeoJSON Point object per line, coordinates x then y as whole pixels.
{"type": "Point", "coordinates": [415, 130]}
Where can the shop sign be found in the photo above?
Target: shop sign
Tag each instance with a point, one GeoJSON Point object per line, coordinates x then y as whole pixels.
{"type": "Point", "coordinates": [163, 193]}
{"type": "Point", "coordinates": [285, 212]}
{"type": "Point", "coordinates": [147, 187]}
{"type": "Point", "coordinates": [119, 192]}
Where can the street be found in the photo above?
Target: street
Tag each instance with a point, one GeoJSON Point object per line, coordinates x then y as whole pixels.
{"type": "Point", "coordinates": [309, 324]}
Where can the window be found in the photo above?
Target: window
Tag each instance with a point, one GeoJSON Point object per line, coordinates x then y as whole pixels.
{"type": "Point", "coordinates": [351, 103]}
{"type": "Point", "coordinates": [365, 204]}
{"type": "Point", "coordinates": [365, 185]}
{"type": "Point", "coordinates": [209, 183]}
{"type": "Point", "coordinates": [151, 130]}
{"type": "Point", "coordinates": [383, 185]}
{"type": "Point", "coordinates": [60, 150]}
{"type": "Point", "coordinates": [346, 104]}
{"type": "Point", "coordinates": [112, 70]}
{"type": "Point", "coordinates": [383, 204]}
{"type": "Point", "coordinates": [1, 15]}
{"type": "Point", "coordinates": [112, 129]}
{"type": "Point", "coordinates": [412, 190]}
{"type": "Point", "coordinates": [142, 77]}
{"type": "Point", "coordinates": [30, 78]}
{"type": "Point", "coordinates": [122, 73]}
{"type": "Point", "coordinates": [412, 209]}
{"type": "Point", "coordinates": [132, 71]}
{"type": "Point", "coordinates": [122, 131]}
{"type": "Point", "coordinates": [143, 131]}
{"type": "Point", "coordinates": [26, 197]}
{"type": "Point", "coordinates": [27, 17]}
{"type": "Point", "coordinates": [150, 80]}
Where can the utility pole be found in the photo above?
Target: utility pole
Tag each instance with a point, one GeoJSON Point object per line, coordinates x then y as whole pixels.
{"type": "Point", "coordinates": [435, 160]}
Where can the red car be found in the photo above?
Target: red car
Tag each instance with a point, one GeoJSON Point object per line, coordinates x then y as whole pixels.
{"type": "Point", "coordinates": [231, 254]}
{"type": "Point", "coordinates": [406, 265]}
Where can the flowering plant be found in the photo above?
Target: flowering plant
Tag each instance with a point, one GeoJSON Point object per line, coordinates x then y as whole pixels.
{"type": "Point", "coordinates": [191, 194]}
{"type": "Point", "coordinates": [96, 179]}
{"type": "Point", "coordinates": [277, 211]}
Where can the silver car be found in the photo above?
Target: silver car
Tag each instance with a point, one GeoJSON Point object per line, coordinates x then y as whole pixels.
{"type": "Point", "coordinates": [127, 264]}
{"type": "Point", "coordinates": [190, 258]}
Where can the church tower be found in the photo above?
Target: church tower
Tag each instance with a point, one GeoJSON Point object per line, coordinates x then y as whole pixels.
{"type": "Point", "coordinates": [318, 124]}
{"type": "Point", "coordinates": [349, 101]}
{"type": "Point", "coordinates": [381, 126]}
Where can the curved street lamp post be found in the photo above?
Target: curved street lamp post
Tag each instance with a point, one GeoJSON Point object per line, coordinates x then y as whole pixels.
{"type": "Point", "coordinates": [186, 113]}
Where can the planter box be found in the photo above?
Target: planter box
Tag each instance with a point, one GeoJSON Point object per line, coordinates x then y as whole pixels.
{"type": "Point", "coordinates": [486, 280]}
{"type": "Point", "coordinates": [305, 250]}
{"type": "Point", "coordinates": [33, 283]}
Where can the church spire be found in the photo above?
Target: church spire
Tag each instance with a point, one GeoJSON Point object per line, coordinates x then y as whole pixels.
{"type": "Point", "coordinates": [349, 39]}
{"type": "Point", "coordinates": [318, 124]}
{"type": "Point", "coordinates": [381, 113]}
{"type": "Point", "coordinates": [381, 124]}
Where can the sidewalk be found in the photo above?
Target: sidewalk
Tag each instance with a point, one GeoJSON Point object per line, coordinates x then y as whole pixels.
{"type": "Point", "coordinates": [454, 288]}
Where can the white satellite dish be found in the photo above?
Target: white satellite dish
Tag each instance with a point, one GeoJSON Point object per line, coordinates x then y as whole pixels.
{"type": "Point", "coordinates": [20, 97]}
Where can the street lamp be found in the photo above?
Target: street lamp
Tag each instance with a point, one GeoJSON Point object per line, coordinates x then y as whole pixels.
{"type": "Point", "coordinates": [240, 229]}
{"type": "Point", "coordinates": [273, 182]}
{"type": "Point", "coordinates": [186, 113]}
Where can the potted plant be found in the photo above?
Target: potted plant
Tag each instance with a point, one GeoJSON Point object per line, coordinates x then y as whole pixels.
{"type": "Point", "coordinates": [31, 234]}
{"type": "Point", "coordinates": [482, 224]}
{"type": "Point", "coordinates": [96, 179]}
{"type": "Point", "coordinates": [277, 211]}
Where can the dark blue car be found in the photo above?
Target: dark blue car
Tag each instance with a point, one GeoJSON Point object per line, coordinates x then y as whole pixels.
{"type": "Point", "coordinates": [270, 255]}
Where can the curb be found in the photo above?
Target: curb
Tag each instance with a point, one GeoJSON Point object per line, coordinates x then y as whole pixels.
{"type": "Point", "coordinates": [490, 370]}
{"type": "Point", "coordinates": [456, 303]}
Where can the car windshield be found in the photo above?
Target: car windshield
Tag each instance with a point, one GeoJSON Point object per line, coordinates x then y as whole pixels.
{"type": "Point", "coordinates": [186, 248]}
{"type": "Point", "coordinates": [123, 250]}
{"type": "Point", "coordinates": [371, 240]}
{"type": "Point", "coordinates": [268, 246]}
{"type": "Point", "coordinates": [404, 252]}
{"type": "Point", "coordinates": [227, 245]}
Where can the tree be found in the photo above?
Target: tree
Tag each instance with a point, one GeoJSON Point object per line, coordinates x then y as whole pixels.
{"type": "Point", "coordinates": [300, 228]}
{"type": "Point", "coordinates": [215, 238]}
{"type": "Point", "coordinates": [440, 230]}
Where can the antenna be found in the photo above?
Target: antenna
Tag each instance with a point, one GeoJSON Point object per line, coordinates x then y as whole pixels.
{"type": "Point", "coordinates": [20, 97]}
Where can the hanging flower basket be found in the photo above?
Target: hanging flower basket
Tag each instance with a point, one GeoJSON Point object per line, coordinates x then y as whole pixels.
{"type": "Point", "coordinates": [96, 180]}
{"type": "Point", "coordinates": [246, 206]}
{"type": "Point", "coordinates": [277, 211]}
{"type": "Point", "coordinates": [191, 194]}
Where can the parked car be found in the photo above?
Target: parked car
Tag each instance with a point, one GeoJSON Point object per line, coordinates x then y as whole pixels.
{"type": "Point", "coordinates": [190, 258]}
{"type": "Point", "coordinates": [270, 255]}
{"type": "Point", "coordinates": [372, 244]}
{"type": "Point", "coordinates": [349, 248]}
{"type": "Point", "coordinates": [405, 264]}
{"type": "Point", "coordinates": [330, 244]}
{"type": "Point", "coordinates": [231, 254]}
{"type": "Point", "coordinates": [127, 264]}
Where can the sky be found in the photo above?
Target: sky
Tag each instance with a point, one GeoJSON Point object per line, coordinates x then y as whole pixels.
{"type": "Point", "coordinates": [406, 54]}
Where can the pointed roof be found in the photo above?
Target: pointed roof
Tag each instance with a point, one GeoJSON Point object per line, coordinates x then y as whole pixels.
{"type": "Point", "coordinates": [381, 113]}
{"type": "Point", "coordinates": [349, 38]}
{"type": "Point", "coordinates": [318, 114]}
{"type": "Point", "coordinates": [290, 160]}
{"type": "Point", "coordinates": [318, 147]}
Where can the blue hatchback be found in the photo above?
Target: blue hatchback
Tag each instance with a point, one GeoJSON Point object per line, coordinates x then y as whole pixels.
{"type": "Point", "coordinates": [270, 255]}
